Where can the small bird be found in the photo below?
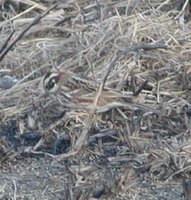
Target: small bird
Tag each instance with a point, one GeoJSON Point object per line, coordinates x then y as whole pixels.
{"type": "Point", "coordinates": [57, 78]}
{"type": "Point", "coordinates": [52, 81]}
{"type": "Point", "coordinates": [78, 92]}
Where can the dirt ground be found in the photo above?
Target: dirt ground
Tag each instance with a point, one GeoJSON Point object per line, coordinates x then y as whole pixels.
{"type": "Point", "coordinates": [131, 138]}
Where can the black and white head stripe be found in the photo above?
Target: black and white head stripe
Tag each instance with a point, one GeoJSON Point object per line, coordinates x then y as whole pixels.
{"type": "Point", "coordinates": [51, 82]}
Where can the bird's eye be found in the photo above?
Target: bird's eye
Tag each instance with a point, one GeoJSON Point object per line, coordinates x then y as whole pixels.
{"type": "Point", "coordinates": [51, 83]}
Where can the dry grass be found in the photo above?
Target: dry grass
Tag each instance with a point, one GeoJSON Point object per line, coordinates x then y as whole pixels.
{"type": "Point", "coordinates": [137, 152]}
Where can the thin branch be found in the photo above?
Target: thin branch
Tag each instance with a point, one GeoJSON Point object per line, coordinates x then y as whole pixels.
{"type": "Point", "coordinates": [6, 42]}
{"type": "Point", "coordinates": [137, 92]}
{"type": "Point", "coordinates": [84, 136]}
{"type": "Point", "coordinates": [145, 47]}
{"type": "Point", "coordinates": [34, 22]}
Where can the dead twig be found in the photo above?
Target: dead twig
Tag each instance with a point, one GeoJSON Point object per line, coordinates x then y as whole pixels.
{"type": "Point", "coordinates": [83, 138]}
{"type": "Point", "coordinates": [6, 42]}
{"type": "Point", "coordinates": [34, 22]}
{"type": "Point", "coordinates": [137, 92]}
{"type": "Point", "coordinates": [145, 47]}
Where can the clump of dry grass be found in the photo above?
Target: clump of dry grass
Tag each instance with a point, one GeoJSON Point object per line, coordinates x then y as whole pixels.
{"type": "Point", "coordinates": [127, 42]}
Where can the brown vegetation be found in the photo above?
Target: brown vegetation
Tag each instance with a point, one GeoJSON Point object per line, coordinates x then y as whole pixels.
{"type": "Point", "coordinates": [141, 48]}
